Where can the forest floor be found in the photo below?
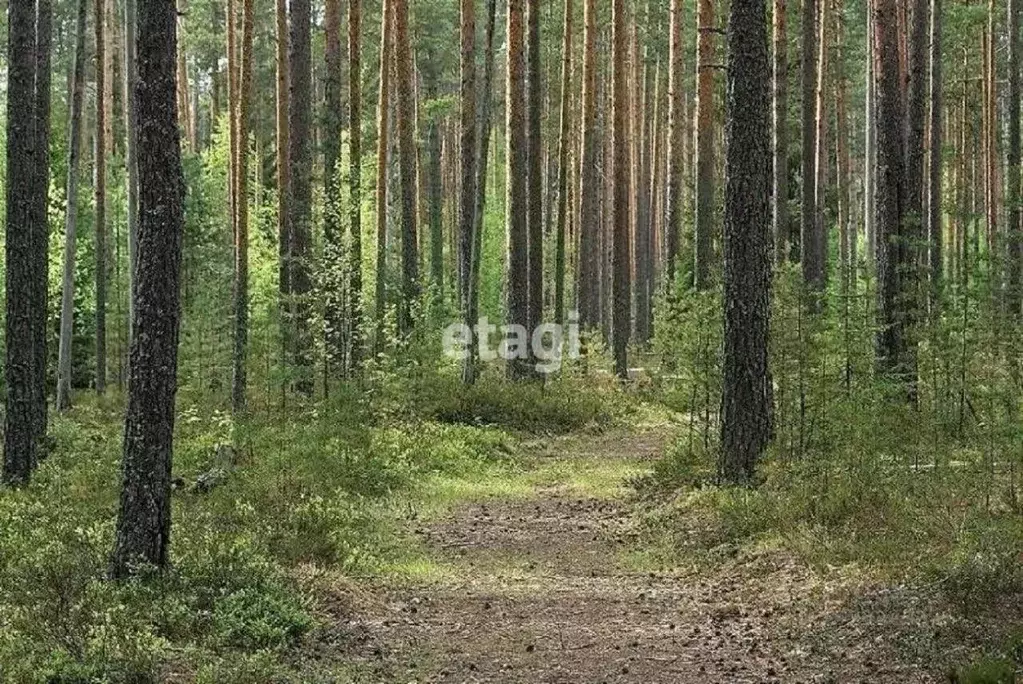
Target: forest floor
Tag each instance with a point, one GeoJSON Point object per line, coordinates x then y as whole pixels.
{"type": "Point", "coordinates": [543, 580]}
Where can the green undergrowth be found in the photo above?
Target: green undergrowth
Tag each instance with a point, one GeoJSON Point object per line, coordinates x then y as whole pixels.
{"type": "Point", "coordinates": [326, 486]}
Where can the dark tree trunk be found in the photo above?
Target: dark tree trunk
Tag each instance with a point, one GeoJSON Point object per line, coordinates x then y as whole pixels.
{"type": "Point", "coordinates": [300, 188]}
{"type": "Point", "coordinates": [917, 61]}
{"type": "Point", "coordinates": [283, 146]}
{"type": "Point", "coordinates": [746, 398]}
{"type": "Point", "coordinates": [564, 142]}
{"type": "Point", "coordinates": [892, 356]}
{"type": "Point", "coordinates": [468, 190]}
{"type": "Point", "coordinates": [517, 178]}
{"type": "Point", "coordinates": [934, 227]}
{"type": "Point", "coordinates": [534, 157]}
{"type": "Point", "coordinates": [813, 268]}
{"type": "Point", "coordinates": [23, 243]}
{"type": "Point", "coordinates": [621, 324]}
{"type": "Point", "coordinates": [143, 525]}
{"type": "Point", "coordinates": [100, 198]}
{"type": "Point", "coordinates": [407, 158]}
{"type": "Point", "coordinates": [589, 185]}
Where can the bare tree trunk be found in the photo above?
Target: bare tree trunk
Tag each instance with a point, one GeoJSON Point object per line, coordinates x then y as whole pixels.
{"type": "Point", "coordinates": [813, 272]}
{"type": "Point", "coordinates": [780, 217]}
{"type": "Point", "coordinates": [283, 144]}
{"type": "Point", "coordinates": [534, 161]}
{"type": "Point", "coordinates": [846, 230]}
{"type": "Point", "coordinates": [746, 398]}
{"type": "Point", "coordinates": [621, 285]}
{"type": "Point", "coordinates": [589, 185]}
{"type": "Point", "coordinates": [934, 221]}
{"type": "Point", "coordinates": [100, 198]}
{"type": "Point", "coordinates": [517, 179]}
{"type": "Point", "coordinates": [355, 181]}
{"type": "Point", "coordinates": [333, 249]}
{"type": "Point", "coordinates": [467, 172]}
{"type": "Point", "coordinates": [383, 114]}
{"type": "Point", "coordinates": [676, 143]}
{"type": "Point", "coordinates": [704, 144]}
{"type": "Point", "coordinates": [130, 160]}
{"type": "Point", "coordinates": [407, 153]}
{"type": "Point", "coordinates": [143, 525]}
{"type": "Point", "coordinates": [564, 142]}
{"type": "Point", "coordinates": [917, 59]}
{"type": "Point", "coordinates": [1014, 256]}
{"type": "Point", "coordinates": [67, 299]}
{"type": "Point", "coordinates": [870, 143]}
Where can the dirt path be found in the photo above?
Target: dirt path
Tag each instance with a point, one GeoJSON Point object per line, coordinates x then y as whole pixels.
{"type": "Point", "coordinates": [536, 592]}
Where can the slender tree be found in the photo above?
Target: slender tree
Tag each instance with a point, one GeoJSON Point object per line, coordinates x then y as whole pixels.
{"type": "Point", "coordinates": [355, 180]}
{"type": "Point", "coordinates": [813, 271]}
{"type": "Point", "coordinates": [407, 158]}
{"type": "Point", "coordinates": [780, 110]}
{"type": "Point", "coordinates": [564, 142]}
{"type": "Point", "coordinates": [916, 145]}
{"type": "Point", "coordinates": [934, 226]}
{"type": "Point", "coordinates": [332, 211]}
{"type": "Point", "coordinates": [283, 145]}
{"type": "Point", "coordinates": [620, 260]}
{"type": "Point", "coordinates": [300, 186]}
{"type": "Point", "coordinates": [676, 143]}
{"type": "Point", "coordinates": [241, 229]}
{"type": "Point", "coordinates": [517, 175]}
{"type": "Point", "coordinates": [144, 520]}
{"type": "Point", "coordinates": [704, 143]}
{"type": "Point", "coordinates": [67, 298]}
{"type": "Point", "coordinates": [467, 162]}
{"type": "Point", "coordinates": [746, 396]}
{"type": "Point", "coordinates": [589, 187]}
{"type": "Point", "coordinates": [100, 202]}
{"type": "Point", "coordinates": [534, 160]}
{"type": "Point", "coordinates": [870, 141]}
{"type": "Point", "coordinates": [40, 211]}
{"type": "Point", "coordinates": [1012, 169]}
{"type": "Point", "coordinates": [131, 154]}
{"type": "Point", "coordinates": [383, 147]}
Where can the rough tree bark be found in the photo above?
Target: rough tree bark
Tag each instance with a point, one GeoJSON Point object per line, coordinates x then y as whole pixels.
{"type": "Point", "coordinates": [283, 144]}
{"type": "Point", "coordinates": [534, 161]}
{"type": "Point", "coordinates": [1013, 256]}
{"type": "Point", "coordinates": [333, 250]}
{"type": "Point", "coordinates": [41, 222]}
{"type": "Point", "coordinates": [934, 209]}
{"type": "Point", "coordinates": [143, 525]}
{"type": "Point", "coordinates": [131, 154]}
{"type": "Point", "coordinates": [383, 146]}
{"type": "Point", "coordinates": [355, 181]}
{"type": "Point", "coordinates": [300, 189]}
{"type": "Point", "coordinates": [564, 142]}
{"type": "Point", "coordinates": [467, 172]}
{"type": "Point", "coordinates": [746, 397]}
{"type": "Point", "coordinates": [813, 272]}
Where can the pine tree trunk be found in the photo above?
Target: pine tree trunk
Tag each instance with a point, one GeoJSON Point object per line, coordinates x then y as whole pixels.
{"type": "Point", "coordinates": [534, 160]}
{"type": "Point", "coordinates": [333, 249]}
{"type": "Point", "coordinates": [100, 201]}
{"type": "Point", "coordinates": [467, 174]}
{"type": "Point", "coordinates": [41, 221]}
{"type": "Point", "coordinates": [746, 397]}
{"type": "Point", "coordinates": [67, 299]}
{"type": "Point", "coordinates": [704, 144]}
{"type": "Point", "coordinates": [870, 143]}
{"type": "Point", "coordinates": [846, 230]}
{"type": "Point", "coordinates": [621, 283]}
{"type": "Point", "coordinates": [355, 182]}
{"type": "Point", "coordinates": [407, 157]}
{"type": "Point", "coordinates": [383, 147]}
{"type": "Point", "coordinates": [300, 198]}
{"type": "Point", "coordinates": [283, 145]}
{"type": "Point", "coordinates": [131, 155]}
{"type": "Point", "coordinates": [891, 198]}
{"type": "Point", "coordinates": [780, 75]}
{"type": "Point", "coordinates": [676, 143]}
{"type": "Point", "coordinates": [564, 143]}
{"type": "Point", "coordinates": [934, 220]}
{"type": "Point", "coordinates": [818, 243]}
{"type": "Point", "coordinates": [241, 235]}
{"type": "Point", "coordinates": [813, 274]}
{"type": "Point", "coordinates": [143, 525]}
{"type": "Point", "coordinates": [589, 185]}
{"type": "Point", "coordinates": [1014, 256]}
{"type": "Point", "coordinates": [517, 181]}
{"type": "Point", "coordinates": [916, 143]}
